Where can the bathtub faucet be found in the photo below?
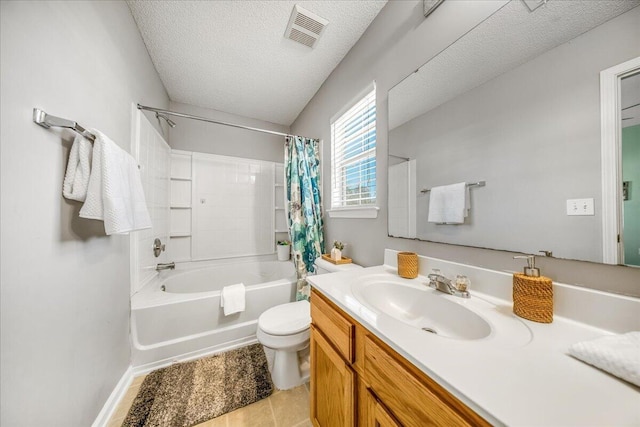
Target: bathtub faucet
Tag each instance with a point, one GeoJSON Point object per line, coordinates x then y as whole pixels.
{"type": "Point", "coordinates": [167, 266]}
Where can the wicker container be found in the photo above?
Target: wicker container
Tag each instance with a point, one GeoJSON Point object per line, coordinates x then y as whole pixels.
{"type": "Point", "coordinates": [533, 298]}
{"type": "Point", "coordinates": [408, 265]}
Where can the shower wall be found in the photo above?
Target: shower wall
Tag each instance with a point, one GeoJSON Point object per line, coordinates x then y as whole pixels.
{"type": "Point", "coordinates": [257, 150]}
{"type": "Point", "coordinates": [224, 207]}
{"type": "Point", "coordinates": [154, 157]}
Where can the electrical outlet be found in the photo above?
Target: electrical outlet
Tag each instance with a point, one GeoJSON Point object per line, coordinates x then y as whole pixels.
{"type": "Point", "coordinates": [580, 207]}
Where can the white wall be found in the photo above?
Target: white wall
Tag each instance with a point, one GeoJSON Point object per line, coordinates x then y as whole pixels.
{"type": "Point", "coordinates": [399, 40]}
{"type": "Point", "coordinates": [64, 283]}
{"type": "Point", "coordinates": [204, 137]}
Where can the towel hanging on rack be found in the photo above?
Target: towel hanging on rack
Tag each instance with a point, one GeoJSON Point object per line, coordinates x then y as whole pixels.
{"type": "Point", "coordinates": [76, 178]}
{"type": "Point", "coordinates": [115, 193]}
{"type": "Point", "coordinates": [449, 204]}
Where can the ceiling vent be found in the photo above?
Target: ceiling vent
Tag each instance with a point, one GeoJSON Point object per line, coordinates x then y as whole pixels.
{"type": "Point", "coordinates": [305, 27]}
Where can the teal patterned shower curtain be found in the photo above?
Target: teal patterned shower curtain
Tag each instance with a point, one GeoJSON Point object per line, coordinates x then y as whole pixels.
{"type": "Point", "coordinates": [304, 216]}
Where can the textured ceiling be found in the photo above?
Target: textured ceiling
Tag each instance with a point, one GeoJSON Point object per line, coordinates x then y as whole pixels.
{"type": "Point", "coordinates": [510, 37]}
{"type": "Point", "coordinates": [232, 55]}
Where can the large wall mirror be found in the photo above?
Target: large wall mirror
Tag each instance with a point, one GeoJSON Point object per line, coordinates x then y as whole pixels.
{"type": "Point", "coordinates": [515, 104]}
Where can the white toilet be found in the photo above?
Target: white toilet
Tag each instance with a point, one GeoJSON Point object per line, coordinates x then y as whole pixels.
{"type": "Point", "coordinates": [284, 332]}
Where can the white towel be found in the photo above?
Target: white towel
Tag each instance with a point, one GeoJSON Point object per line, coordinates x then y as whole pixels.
{"type": "Point", "coordinates": [617, 354]}
{"type": "Point", "coordinates": [232, 299]}
{"type": "Point", "coordinates": [115, 192]}
{"type": "Point", "coordinates": [449, 204]}
{"type": "Point", "coordinates": [76, 178]}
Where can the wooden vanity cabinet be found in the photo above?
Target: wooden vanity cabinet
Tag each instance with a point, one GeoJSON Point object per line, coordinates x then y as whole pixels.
{"type": "Point", "coordinates": [333, 396]}
{"type": "Point", "coordinates": [377, 415]}
{"type": "Point", "coordinates": [358, 380]}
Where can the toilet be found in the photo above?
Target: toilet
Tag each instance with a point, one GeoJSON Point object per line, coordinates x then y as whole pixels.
{"type": "Point", "coordinates": [283, 330]}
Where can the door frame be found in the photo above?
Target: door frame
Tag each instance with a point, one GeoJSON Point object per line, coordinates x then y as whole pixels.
{"type": "Point", "coordinates": [610, 137]}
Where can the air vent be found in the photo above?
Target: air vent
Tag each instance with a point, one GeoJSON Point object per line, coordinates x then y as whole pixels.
{"type": "Point", "coordinates": [305, 27]}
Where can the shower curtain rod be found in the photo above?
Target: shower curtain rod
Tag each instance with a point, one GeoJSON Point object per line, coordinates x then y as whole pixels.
{"type": "Point", "coordinates": [204, 119]}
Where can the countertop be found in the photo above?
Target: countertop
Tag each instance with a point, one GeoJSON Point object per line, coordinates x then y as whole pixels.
{"type": "Point", "coordinates": [518, 382]}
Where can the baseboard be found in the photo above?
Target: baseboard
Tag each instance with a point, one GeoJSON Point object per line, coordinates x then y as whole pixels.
{"type": "Point", "coordinates": [116, 396]}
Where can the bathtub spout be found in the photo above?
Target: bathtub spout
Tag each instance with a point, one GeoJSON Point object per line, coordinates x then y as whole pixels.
{"type": "Point", "coordinates": [167, 266]}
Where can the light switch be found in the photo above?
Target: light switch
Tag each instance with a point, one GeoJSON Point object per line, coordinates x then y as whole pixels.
{"type": "Point", "coordinates": [580, 207]}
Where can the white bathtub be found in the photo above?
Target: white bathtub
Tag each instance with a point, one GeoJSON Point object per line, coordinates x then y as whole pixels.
{"type": "Point", "coordinates": [178, 316]}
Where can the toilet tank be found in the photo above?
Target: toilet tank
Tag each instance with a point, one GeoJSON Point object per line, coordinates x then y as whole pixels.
{"type": "Point", "coordinates": [324, 267]}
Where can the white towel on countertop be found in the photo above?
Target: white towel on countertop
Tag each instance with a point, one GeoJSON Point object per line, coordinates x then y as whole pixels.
{"type": "Point", "coordinates": [617, 354]}
{"type": "Point", "coordinates": [449, 204]}
{"type": "Point", "coordinates": [115, 193]}
{"type": "Point", "coordinates": [76, 178]}
{"type": "Point", "coordinates": [232, 299]}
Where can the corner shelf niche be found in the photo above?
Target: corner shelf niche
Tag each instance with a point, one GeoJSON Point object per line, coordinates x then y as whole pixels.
{"type": "Point", "coordinates": [180, 206]}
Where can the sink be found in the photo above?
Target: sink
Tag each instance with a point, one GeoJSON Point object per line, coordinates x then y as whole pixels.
{"type": "Point", "coordinates": [421, 307]}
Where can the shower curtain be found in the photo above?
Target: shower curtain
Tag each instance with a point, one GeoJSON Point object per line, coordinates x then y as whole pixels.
{"type": "Point", "coordinates": [304, 216]}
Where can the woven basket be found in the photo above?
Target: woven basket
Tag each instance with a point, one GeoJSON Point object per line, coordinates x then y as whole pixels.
{"type": "Point", "coordinates": [533, 298]}
{"type": "Point", "coordinates": [408, 265]}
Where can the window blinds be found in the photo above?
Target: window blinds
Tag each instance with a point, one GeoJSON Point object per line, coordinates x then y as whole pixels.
{"type": "Point", "coordinates": [353, 155]}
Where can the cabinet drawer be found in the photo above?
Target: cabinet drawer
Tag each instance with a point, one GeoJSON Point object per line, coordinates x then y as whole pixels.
{"type": "Point", "coordinates": [338, 329]}
{"type": "Point", "coordinates": [412, 401]}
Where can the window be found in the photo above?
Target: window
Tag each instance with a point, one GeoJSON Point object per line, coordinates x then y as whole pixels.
{"type": "Point", "coordinates": [353, 156]}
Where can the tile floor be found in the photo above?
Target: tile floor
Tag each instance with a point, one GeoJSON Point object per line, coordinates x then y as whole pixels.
{"type": "Point", "coordinates": [284, 408]}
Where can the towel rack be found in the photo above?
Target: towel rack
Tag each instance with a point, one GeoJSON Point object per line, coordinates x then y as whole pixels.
{"type": "Point", "coordinates": [470, 184]}
{"type": "Point", "coordinates": [46, 121]}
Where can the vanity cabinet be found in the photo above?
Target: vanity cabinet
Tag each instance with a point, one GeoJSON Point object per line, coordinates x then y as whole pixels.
{"type": "Point", "coordinates": [358, 380]}
{"type": "Point", "coordinates": [377, 414]}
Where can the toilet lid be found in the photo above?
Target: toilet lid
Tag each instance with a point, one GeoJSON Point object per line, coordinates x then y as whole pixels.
{"type": "Point", "coordinates": [286, 319]}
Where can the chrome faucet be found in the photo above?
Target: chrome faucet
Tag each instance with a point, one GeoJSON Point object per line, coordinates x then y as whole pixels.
{"type": "Point", "coordinates": [442, 284]}
{"type": "Point", "coordinates": [167, 266]}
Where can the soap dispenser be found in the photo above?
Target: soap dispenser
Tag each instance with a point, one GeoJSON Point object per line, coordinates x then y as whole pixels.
{"type": "Point", "coordinates": [532, 293]}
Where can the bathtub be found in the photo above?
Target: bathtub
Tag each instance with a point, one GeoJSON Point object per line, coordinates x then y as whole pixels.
{"type": "Point", "coordinates": [177, 316]}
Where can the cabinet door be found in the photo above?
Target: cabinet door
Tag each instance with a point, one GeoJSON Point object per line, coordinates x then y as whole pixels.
{"type": "Point", "coordinates": [377, 414]}
{"type": "Point", "coordinates": [332, 385]}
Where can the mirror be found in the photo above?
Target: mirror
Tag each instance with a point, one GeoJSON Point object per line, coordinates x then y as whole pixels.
{"type": "Point", "coordinates": [515, 103]}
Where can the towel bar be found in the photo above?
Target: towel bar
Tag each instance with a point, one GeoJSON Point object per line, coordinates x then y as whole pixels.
{"type": "Point", "coordinates": [470, 184]}
{"type": "Point", "coordinates": [46, 121]}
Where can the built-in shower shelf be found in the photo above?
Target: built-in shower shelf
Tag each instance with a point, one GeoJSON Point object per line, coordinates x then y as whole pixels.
{"type": "Point", "coordinates": [180, 220]}
{"type": "Point", "coordinates": [279, 209]}
{"type": "Point", "coordinates": [279, 185]}
{"type": "Point", "coordinates": [282, 231]}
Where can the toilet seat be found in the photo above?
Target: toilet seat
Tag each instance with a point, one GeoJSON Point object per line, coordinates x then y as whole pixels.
{"type": "Point", "coordinates": [286, 319]}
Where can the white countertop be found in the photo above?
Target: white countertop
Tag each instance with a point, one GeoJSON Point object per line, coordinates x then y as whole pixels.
{"type": "Point", "coordinates": [519, 382]}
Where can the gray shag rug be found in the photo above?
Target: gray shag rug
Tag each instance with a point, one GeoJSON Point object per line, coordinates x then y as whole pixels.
{"type": "Point", "coordinates": [190, 393]}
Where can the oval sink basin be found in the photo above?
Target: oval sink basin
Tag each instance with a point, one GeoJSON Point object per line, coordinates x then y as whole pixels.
{"type": "Point", "coordinates": [422, 308]}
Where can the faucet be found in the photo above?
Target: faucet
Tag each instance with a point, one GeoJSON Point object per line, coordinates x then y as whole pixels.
{"type": "Point", "coordinates": [442, 284]}
{"type": "Point", "coordinates": [167, 266]}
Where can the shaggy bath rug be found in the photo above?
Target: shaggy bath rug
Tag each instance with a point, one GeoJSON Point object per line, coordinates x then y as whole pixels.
{"type": "Point", "coordinates": [190, 393]}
